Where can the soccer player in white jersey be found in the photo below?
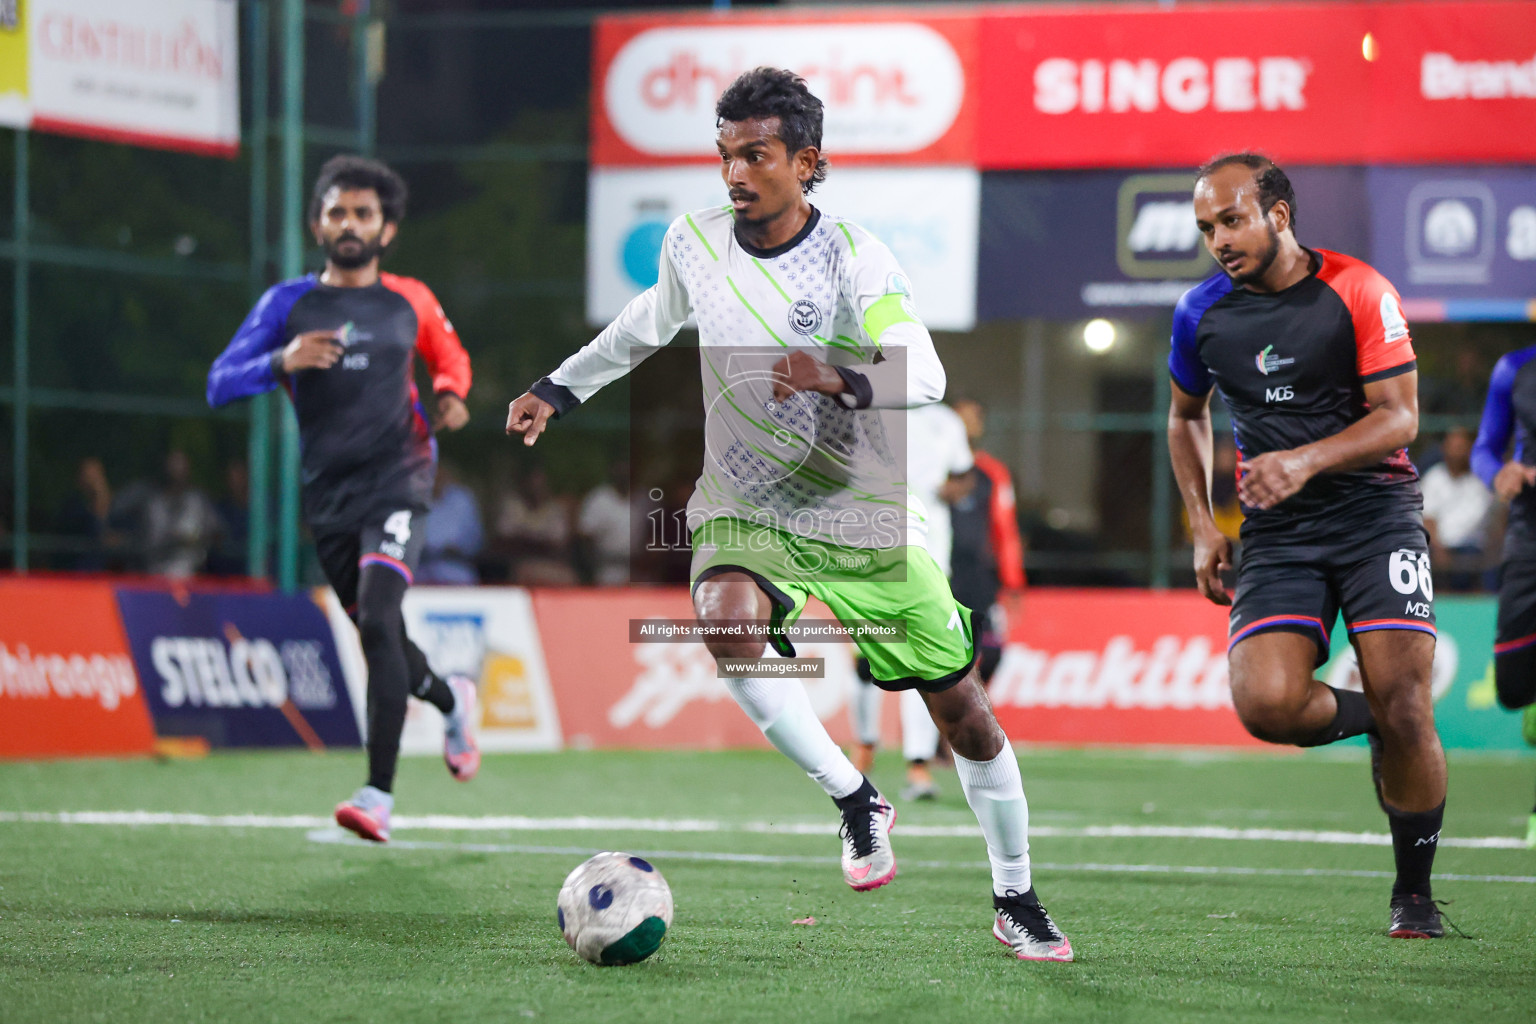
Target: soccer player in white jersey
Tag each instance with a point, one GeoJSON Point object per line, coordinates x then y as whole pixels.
{"type": "Point", "coordinates": [810, 346]}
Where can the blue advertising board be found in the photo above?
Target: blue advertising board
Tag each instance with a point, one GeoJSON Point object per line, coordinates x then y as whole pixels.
{"type": "Point", "coordinates": [1064, 245]}
{"type": "Point", "coordinates": [239, 669]}
{"type": "Point", "coordinates": [1459, 242]}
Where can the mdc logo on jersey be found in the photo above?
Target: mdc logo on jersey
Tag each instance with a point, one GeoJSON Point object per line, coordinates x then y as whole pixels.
{"type": "Point", "coordinates": [1451, 232]}
{"type": "Point", "coordinates": [1155, 231]}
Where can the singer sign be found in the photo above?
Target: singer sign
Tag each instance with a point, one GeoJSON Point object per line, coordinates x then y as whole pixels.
{"type": "Point", "coordinates": [893, 89]}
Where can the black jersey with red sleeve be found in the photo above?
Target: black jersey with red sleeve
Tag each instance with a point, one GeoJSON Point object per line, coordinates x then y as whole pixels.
{"type": "Point", "coordinates": [1292, 368]}
{"type": "Point", "coordinates": [365, 441]}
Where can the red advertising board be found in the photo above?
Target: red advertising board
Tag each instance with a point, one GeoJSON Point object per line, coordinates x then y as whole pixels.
{"type": "Point", "coordinates": [896, 86]}
{"type": "Point", "coordinates": [1106, 86]}
{"type": "Point", "coordinates": [614, 693]}
{"type": "Point", "coordinates": [1307, 83]}
{"type": "Point", "coordinates": [1117, 666]}
{"type": "Point", "coordinates": [67, 684]}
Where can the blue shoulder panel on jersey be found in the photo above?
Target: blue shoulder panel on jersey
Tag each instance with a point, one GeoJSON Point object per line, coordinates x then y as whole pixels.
{"type": "Point", "coordinates": [1184, 363]}
{"type": "Point", "coordinates": [244, 368]}
{"type": "Point", "coordinates": [1498, 415]}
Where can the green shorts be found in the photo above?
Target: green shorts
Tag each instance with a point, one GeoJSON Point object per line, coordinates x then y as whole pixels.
{"type": "Point", "coordinates": [902, 585]}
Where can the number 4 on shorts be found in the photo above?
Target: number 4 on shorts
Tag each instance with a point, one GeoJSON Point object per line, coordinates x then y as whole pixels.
{"type": "Point", "coordinates": [398, 526]}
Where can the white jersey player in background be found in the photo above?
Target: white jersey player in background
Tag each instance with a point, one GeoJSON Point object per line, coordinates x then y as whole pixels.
{"type": "Point", "coordinates": [938, 456]}
{"type": "Point", "coordinates": [811, 350]}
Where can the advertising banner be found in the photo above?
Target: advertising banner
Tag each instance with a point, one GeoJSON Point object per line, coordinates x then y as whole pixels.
{"type": "Point", "coordinates": [1459, 242]}
{"type": "Point", "coordinates": [927, 215]}
{"type": "Point", "coordinates": [160, 73]}
{"type": "Point", "coordinates": [1037, 87]}
{"type": "Point", "coordinates": [615, 693]}
{"type": "Point", "coordinates": [1117, 243]}
{"type": "Point", "coordinates": [67, 685]}
{"type": "Point", "coordinates": [1467, 711]}
{"type": "Point", "coordinates": [239, 669]}
{"type": "Point", "coordinates": [895, 85]}
{"type": "Point", "coordinates": [486, 633]}
{"type": "Point", "coordinates": [15, 108]}
{"type": "Point", "coordinates": [1117, 667]}
{"type": "Point", "coordinates": [1307, 83]}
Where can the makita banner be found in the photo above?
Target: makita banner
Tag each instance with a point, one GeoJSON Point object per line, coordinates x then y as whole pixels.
{"type": "Point", "coordinates": [239, 669]}
{"type": "Point", "coordinates": [1117, 666]}
{"type": "Point", "coordinates": [1027, 87]}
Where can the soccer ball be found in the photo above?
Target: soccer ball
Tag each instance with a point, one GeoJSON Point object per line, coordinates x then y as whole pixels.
{"type": "Point", "coordinates": [614, 909]}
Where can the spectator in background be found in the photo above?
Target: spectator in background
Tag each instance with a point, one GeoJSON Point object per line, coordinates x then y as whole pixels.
{"type": "Point", "coordinates": [605, 528]}
{"type": "Point", "coordinates": [1456, 509]}
{"type": "Point", "coordinates": [179, 524]}
{"type": "Point", "coordinates": [454, 533]}
{"type": "Point", "coordinates": [533, 530]}
{"type": "Point", "coordinates": [230, 558]}
{"type": "Point", "coordinates": [84, 518]}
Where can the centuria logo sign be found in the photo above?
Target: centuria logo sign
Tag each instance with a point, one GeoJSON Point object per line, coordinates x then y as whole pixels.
{"type": "Point", "coordinates": [888, 88]}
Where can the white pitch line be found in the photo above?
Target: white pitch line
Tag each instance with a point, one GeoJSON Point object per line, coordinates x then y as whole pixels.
{"type": "Point", "coordinates": [518, 823]}
{"type": "Point", "coordinates": [336, 836]}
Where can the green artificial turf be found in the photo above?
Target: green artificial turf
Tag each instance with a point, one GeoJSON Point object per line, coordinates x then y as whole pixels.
{"type": "Point", "coordinates": [162, 923]}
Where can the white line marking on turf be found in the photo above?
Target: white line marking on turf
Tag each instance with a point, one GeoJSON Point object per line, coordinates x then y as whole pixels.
{"type": "Point", "coordinates": [339, 837]}
{"type": "Point", "coordinates": [518, 823]}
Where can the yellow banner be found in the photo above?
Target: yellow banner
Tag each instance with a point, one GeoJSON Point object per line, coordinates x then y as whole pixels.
{"type": "Point", "coordinates": [14, 108]}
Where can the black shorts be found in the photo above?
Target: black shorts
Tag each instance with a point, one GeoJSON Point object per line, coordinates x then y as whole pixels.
{"type": "Point", "coordinates": [1300, 587]}
{"type": "Point", "coordinates": [392, 540]}
{"type": "Point", "coordinates": [1517, 607]}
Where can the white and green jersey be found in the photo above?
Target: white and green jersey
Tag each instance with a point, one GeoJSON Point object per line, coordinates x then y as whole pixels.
{"type": "Point", "coordinates": [822, 467]}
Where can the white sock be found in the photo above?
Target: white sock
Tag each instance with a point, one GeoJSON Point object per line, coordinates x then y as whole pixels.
{"type": "Point", "coordinates": [781, 709]}
{"type": "Point", "coordinates": [996, 793]}
{"type": "Point", "coordinates": [919, 736]}
{"type": "Point", "coordinates": [864, 712]}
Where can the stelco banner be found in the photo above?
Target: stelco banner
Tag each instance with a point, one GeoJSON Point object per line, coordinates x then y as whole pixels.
{"type": "Point", "coordinates": [239, 669]}
{"type": "Point", "coordinates": [162, 73]}
{"type": "Point", "coordinates": [1026, 87]}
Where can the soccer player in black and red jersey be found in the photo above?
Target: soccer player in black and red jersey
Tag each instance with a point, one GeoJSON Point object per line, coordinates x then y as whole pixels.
{"type": "Point", "coordinates": [1311, 354]}
{"type": "Point", "coordinates": [343, 343]}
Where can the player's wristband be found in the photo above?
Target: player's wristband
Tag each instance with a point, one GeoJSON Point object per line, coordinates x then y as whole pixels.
{"type": "Point", "coordinates": [276, 361]}
{"type": "Point", "coordinates": [557, 395]}
{"type": "Point", "coordinates": [859, 388]}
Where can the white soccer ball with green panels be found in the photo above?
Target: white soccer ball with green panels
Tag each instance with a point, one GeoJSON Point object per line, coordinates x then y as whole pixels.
{"type": "Point", "coordinates": [615, 909]}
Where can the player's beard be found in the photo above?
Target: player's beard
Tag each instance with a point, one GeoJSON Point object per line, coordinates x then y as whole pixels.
{"type": "Point", "coordinates": [364, 253]}
{"type": "Point", "coordinates": [1266, 260]}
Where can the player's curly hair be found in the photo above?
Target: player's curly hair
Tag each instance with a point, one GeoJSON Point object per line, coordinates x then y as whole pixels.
{"type": "Point", "coordinates": [1272, 181]}
{"type": "Point", "coordinates": [349, 170]}
{"type": "Point", "coordinates": [774, 92]}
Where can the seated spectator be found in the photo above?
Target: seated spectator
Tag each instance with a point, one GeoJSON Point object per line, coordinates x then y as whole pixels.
{"type": "Point", "coordinates": [83, 519]}
{"type": "Point", "coordinates": [231, 558]}
{"type": "Point", "coordinates": [179, 525]}
{"type": "Point", "coordinates": [606, 528]}
{"type": "Point", "coordinates": [454, 533]}
{"type": "Point", "coordinates": [533, 530]}
{"type": "Point", "coordinates": [1456, 509]}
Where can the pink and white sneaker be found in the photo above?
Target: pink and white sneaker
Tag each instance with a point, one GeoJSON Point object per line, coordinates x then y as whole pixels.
{"type": "Point", "coordinates": [460, 751]}
{"type": "Point", "coordinates": [367, 814]}
{"type": "Point", "coordinates": [1024, 927]}
{"type": "Point", "coordinates": [868, 861]}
